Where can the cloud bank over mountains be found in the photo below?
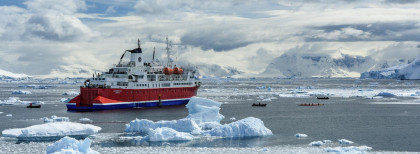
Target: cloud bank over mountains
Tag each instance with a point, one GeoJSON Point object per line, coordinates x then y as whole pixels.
{"type": "Point", "coordinates": [60, 38]}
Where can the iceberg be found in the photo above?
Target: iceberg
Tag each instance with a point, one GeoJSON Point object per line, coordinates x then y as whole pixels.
{"type": "Point", "coordinates": [85, 120]}
{"type": "Point", "coordinates": [344, 141]}
{"type": "Point", "coordinates": [65, 100]}
{"type": "Point", "coordinates": [54, 118]}
{"type": "Point", "coordinates": [21, 92]}
{"type": "Point", "coordinates": [71, 93]}
{"type": "Point", "coordinates": [385, 94]}
{"type": "Point", "coordinates": [248, 127]}
{"type": "Point", "coordinates": [70, 145]}
{"type": "Point", "coordinates": [203, 110]}
{"type": "Point", "coordinates": [144, 125]}
{"type": "Point", "coordinates": [168, 134]}
{"type": "Point", "coordinates": [316, 143]}
{"type": "Point", "coordinates": [298, 135]}
{"type": "Point", "coordinates": [52, 131]}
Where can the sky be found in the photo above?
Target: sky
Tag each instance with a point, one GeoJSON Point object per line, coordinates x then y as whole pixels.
{"type": "Point", "coordinates": [60, 38]}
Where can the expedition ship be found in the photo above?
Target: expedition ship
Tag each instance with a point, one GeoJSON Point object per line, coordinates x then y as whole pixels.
{"type": "Point", "coordinates": [137, 84]}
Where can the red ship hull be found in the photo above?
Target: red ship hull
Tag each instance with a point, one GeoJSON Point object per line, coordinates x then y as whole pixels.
{"type": "Point", "coordinates": [118, 98]}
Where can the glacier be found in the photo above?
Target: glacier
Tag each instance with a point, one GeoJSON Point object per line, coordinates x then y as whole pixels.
{"type": "Point", "coordinates": [68, 145]}
{"type": "Point", "coordinates": [52, 131]}
{"type": "Point", "coordinates": [410, 71]}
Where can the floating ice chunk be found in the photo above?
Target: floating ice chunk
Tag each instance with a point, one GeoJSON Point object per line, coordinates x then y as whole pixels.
{"type": "Point", "coordinates": [68, 145]}
{"type": "Point", "coordinates": [327, 141]}
{"type": "Point", "coordinates": [65, 100]}
{"type": "Point", "coordinates": [13, 101]}
{"type": "Point", "coordinates": [85, 120]}
{"type": "Point", "coordinates": [266, 100]}
{"type": "Point", "coordinates": [316, 143]}
{"type": "Point", "coordinates": [203, 110]}
{"type": "Point", "coordinates": [344, 141]}
{"type": "Point", "coordinates": [54, 118]}
{"type": "Point", "coordinates": [21, 92]}
{"type": "Point", "coordinates": [247, 127]}
{"type": "Point", "coordinates": [71, 93]}
{"type": "Point", "coordinates": [144, 125]}
{"type": "Point", "coordinates": [1, 112]}
{"type": "Point", "coordinates": [385, 94]}
{"type": "Point", "coordinates": [168, 134]}
{"type": "Point", "coordinates": [52, 130]}
{"type": "Point", "coordinates": [233, 118]}
{"type": "Point", "coordinates": [350, 149]}
{"type": "Point", "coordinates": [298, 135]}
{"type": "Point", "coordinates": [9, 115]}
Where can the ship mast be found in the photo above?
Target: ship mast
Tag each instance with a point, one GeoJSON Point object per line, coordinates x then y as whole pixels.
{"type": "Point", "coordinates": [168, 53]}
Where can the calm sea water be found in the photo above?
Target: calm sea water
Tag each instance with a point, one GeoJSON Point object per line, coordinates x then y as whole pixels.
{"type": "Point", "coordinates": [385, 124]}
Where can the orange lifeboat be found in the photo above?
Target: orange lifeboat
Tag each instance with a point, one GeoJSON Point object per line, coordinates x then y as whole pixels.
{"type": "Point", "coordinates": [168, 71]}
{"type": "Point", "coordinates": [178, 70]}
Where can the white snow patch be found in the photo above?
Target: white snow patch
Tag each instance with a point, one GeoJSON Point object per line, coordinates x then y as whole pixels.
{"type": "Point", "coordinates": [21, 92]}
{"type": "Point", "coordinates": [247, 127]}
{"type": "Point", "coordinates": [56, 129]}
{"type": "Point", "coordinates": [68, 145]}
{"type": "Point", "coordinates": [298, 135]}
{"type": "Point", "coordinates": [344, 141]}
{"type": "Point", "coordinates": [168, 134]}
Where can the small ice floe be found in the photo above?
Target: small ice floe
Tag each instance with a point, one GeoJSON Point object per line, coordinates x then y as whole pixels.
{"type": "Point", "coordinates": [344, 141]}
{"type": "Point", "coordinates": [385, 94]}
{"type": "Point", "coordinates": [54, 118]}
{"type": "Point", "coordinates": [298, 135]}
{"type": "Point", "coordinates": [350, 149]}
{"type": "Point", "coordinates": [1, 112]}
{"type": "Point", "coordinates": [9, 115]}
{"type": "Point", "coordinates": [71, 145]}
{"type": "Point", "coordinates": [19, 92]}
{"type": "Point", "coordinates": [85, 120]}
{"type": "Point", "coordinates": [168, 134]}
{"type": "Point", "coordinates": [13, 101]}
{"type": "Point", "coordinates": [266, 100]}
{"type": "Point", "coordinates": [233, 118]}
{"type": "Point", "coordinates": [65, 100]}
{"type": "Point", "coordinates": [327, 141]}
{"type": "Point", "coordinates": [52, 131]}
{"type": "Point", "coordinates": [35, 86]}
{"type": "Point", "coordinates": [316, 143]}
{"type": "Point", "coordinates": [71, 93]}
{"type": "Point", "coordinates": [247, 127]}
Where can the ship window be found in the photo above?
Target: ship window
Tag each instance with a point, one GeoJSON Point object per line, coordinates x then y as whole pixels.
{"type": "Point", "coordinates": [141, 76]}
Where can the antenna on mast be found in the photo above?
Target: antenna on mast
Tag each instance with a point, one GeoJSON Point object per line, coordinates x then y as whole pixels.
{"type": "Point", "coordinates": [138, 43]}
{"type": "Point", "coordinates": [154, 49]}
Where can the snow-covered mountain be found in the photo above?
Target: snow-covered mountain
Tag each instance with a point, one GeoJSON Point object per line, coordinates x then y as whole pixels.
{"type": "Point", "coordinates": [403, 71]}
{"type": "Point", "coordinates": [9, 75]}
{"type": "Point", "coordinates": [213, 70]}
{"type": "Point", "coordinates": [318, 65]}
